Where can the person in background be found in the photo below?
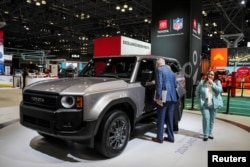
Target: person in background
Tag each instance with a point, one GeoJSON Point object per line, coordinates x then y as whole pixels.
{"type": "Point", "coordinates": [208, 94]}
{"type": "Point", "coordinates": [37, 72]}
{"type": "Point", "coordinates": [24, 75]}
{"type": "Point", "coordinates": [165, 81]}
{"type": "Point", "coordinates": [181, 91]}
{"type": "Point", "coordinates": [46, 72]}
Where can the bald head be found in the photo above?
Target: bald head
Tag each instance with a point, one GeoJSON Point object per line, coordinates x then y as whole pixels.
{"type": "Point", "coordinates": [160, 62]}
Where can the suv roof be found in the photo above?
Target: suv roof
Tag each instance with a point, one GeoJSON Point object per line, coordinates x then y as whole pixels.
{"type": "Point", "coordinates": [170, 60]}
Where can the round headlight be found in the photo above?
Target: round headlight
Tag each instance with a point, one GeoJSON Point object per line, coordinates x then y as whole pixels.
{"type": "Point", "coordinates": [68, 101]}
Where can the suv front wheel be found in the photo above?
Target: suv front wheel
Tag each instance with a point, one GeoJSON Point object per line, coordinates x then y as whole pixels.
{"type": "Point", "coordinates": [113, 134]}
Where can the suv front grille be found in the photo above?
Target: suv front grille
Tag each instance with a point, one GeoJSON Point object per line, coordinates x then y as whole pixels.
{"type": "Point", "coordinates": [35, 98]}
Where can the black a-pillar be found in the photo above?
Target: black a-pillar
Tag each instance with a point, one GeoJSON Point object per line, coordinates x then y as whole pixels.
{"type": "Point", "coordinates": [177, 32]}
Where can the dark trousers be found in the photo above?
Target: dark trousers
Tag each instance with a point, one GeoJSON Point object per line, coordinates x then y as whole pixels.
{"type": "Point", "coordinates": [170, 112]}
{"type": "Point", "coordinates": [165, 115]}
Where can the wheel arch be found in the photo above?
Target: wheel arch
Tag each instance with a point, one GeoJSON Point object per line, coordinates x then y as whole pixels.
{"type": "Point", "coordinates": [124, 104]}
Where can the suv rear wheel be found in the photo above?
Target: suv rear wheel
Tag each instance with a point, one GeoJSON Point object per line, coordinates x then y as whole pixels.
{"type": "Point", "coordinates": [113, 134]}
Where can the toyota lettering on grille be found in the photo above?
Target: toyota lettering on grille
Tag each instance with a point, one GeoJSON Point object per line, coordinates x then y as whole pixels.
{"type": "Point", "coordinates": [37, 99]}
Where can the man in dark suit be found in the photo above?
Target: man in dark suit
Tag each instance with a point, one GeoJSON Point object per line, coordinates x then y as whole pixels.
{"type": "Point", "coordinates": [166, 99]}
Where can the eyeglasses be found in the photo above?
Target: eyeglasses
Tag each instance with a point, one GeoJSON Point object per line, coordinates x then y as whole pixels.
{"type": "Point", "coordinates": [211, 74]}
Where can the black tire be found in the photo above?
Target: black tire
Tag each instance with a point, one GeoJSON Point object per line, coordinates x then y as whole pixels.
{"type": "Point", "coordinates": [113, 134]}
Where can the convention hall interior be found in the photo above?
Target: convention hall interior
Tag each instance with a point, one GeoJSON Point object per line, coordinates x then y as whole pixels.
{"type": "Point", "coordinates": [59, 29]}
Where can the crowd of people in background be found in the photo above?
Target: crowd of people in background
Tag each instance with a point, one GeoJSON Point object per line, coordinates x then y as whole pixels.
{"type": "Point", "coordinates": [34, 73]}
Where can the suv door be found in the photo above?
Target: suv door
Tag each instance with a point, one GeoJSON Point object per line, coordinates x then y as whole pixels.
{"type": "Point", "coordinates": [145, 76]}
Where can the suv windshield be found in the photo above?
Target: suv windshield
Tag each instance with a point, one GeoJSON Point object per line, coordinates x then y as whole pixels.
{"type": "Point", "coordinates": [109, 67]}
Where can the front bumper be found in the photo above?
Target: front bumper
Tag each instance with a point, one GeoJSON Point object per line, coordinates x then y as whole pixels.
{"type": "Point", "coordinates": [65, 124]}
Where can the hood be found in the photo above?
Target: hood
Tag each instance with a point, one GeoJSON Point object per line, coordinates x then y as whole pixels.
{"type": "Point", "coordinates": [77, 85]}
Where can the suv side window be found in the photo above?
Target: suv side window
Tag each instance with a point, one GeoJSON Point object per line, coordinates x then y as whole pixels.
{"type": "Point", "coordinates": [145, 76]}
{"type": "Point", "coordinates": [146, 71]}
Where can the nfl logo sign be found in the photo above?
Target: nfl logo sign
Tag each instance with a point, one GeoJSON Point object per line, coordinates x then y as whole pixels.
{"type": "Point", "coordinates": [178, 24]}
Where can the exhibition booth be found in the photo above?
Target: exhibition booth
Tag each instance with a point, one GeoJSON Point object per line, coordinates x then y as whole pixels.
{"type": "Point", "coordinates": [233, 67]}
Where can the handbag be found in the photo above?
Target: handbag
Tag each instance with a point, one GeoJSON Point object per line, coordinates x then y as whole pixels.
{"type": "Point", "coordinates": [181, 91]}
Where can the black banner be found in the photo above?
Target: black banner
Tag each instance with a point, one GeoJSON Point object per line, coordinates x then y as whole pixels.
{"type": "Point", "coordinates": [176, 32]}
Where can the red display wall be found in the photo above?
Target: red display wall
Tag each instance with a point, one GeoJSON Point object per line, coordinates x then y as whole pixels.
{"type": "Point", "coordinates": [107, 46]}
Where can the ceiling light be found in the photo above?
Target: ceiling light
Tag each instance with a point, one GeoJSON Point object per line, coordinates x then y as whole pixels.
{"type": "Point", "coordinates": [2, 24]}
{"type": "Point", "coordinates": [37, 2]}
{"type": "Point", "coordinates": [43, 2]}
{"type": "Point", "coordinates": [147, 21]}
{"type": "Point", "coordinates": [26, 27]}
{"type": "Point", "coordinates": [124, 7]}
{"type": "Point", "coordinates": [204, 13]}
{"type": "Point", "coordinates": [242, 2]}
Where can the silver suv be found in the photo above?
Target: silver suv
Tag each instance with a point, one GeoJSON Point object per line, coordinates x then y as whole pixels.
{"type": "Point", "coordinates": [110, 101]}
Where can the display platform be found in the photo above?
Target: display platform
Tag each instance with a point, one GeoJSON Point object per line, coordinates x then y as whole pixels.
{"type": "Point", "coordinates": [22, 147]}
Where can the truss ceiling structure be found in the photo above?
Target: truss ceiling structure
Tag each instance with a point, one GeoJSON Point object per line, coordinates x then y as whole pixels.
{"type": "Point", "coordinates": [61, 27]}
{"type": "Point", "coordinates": [232, 20]}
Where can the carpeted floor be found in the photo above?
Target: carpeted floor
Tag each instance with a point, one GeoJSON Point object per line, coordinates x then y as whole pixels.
{"type": "Point", "coordinates": [10, 97]}
{"type": "Point", "coordinates": [232, 105]}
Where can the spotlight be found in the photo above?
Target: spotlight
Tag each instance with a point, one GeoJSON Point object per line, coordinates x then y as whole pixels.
{"type": "Point", "coordinates": [2, 24]}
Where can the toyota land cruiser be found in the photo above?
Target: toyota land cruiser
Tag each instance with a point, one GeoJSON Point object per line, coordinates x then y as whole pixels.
{"type": "Point", "coordinates": [102, 107]}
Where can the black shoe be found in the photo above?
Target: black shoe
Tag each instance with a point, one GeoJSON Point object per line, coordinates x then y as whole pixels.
{"type": "Point", "coordinates": [157, 140]}
{"type": "Point", "coordinates": [176, 128]}
{"type": "Point", "coordinates": [167, 139]}
{"type": "Point", "coordinates": [210, 137]}
{"type": "Point", "coordinates": [205, 138]}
